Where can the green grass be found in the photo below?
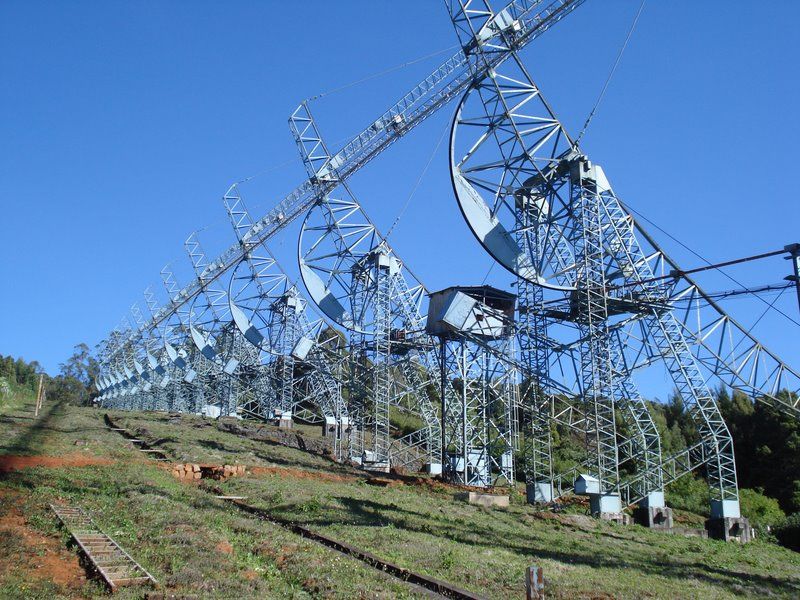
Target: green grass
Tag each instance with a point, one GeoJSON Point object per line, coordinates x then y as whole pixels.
{"type": "Point", "coordinates": [487, 550]}
{"type": "Point", "coordinates": [176, 530]}
{"type": "Point", "coordinates": [193, 544]}
{"type": "Point", "coordinates": [190, 438]}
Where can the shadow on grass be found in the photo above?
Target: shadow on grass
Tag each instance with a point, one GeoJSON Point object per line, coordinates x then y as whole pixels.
{"type": "Point", "coordinates": [470, 532]}
{"type": "Point", "coordinates": [30, 439]}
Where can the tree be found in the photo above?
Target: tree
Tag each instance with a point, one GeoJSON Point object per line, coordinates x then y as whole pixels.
{"type": "Point", "coordinates": [76, 383]}
{"type": "Point", "coordinates": [81, 365]}
{"type": "Point", "coordinates": [762, 510]}
{"type": "Point", "coordinates": [7, 368]}
{"type": "Point", "coordinates": [767, 446]}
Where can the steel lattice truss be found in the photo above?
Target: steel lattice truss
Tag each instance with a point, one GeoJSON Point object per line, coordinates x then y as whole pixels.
{"type": "Point", "coordinates": [598, 302]}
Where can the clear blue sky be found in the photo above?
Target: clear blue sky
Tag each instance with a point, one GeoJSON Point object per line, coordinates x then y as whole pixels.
{"type": "Point", "coordinates": [123, 123]}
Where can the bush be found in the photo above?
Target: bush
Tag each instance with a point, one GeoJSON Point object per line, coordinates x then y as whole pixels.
{"type": "Point", "coordinates": [788, 532]}
{"type": "Point", "coordinates": [5, 389]}
{"type": "Point", "coordinates": [690, 494]}
{"type": "Point", "coordinates": [761, 510]}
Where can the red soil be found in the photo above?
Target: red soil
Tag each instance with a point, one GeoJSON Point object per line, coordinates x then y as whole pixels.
{"type": "Point", "coordinates": [299, 474]}
{"type": "Point", "coordinates": [13, 463]}
{"type": "Point", "coordinates": [43, 557]}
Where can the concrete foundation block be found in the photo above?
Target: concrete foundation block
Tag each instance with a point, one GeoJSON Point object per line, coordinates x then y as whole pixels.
{"type": "Point", "coordinates": [377, 466]}
{"type": "Point", "coordinates": [722, 509]}
{"type": "Point", "coordinates": [729, 529]}
{"type": "Point", "coordinates": [615, 517]}
{"type": "Point", "coordinates": [433, 468]}
{"type": "Point", "coordinates": [653, 500]}
{"type": "Point", "coordinates": [484, 499]}
{"type": "Point", "coordinates": [539, 492]}
{"type": "Point", "coordinates": [655, 517]}
{"type": "Point", "coordinates": [605, 504]}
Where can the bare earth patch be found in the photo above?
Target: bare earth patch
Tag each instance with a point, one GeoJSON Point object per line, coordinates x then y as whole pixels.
{"type": "Point", "coordinates": [42, 557]}
{"type": "Point", "coordinates": [13, 463]}
{"type": "Point", "coordinates": [224, 547]}
{"type": "Point", "coordinates": [300, 474]}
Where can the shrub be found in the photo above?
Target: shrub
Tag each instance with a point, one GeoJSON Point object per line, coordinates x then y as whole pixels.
{"type": "Point", "coordinates": [690, 494]}
{"type": "Point", "coordinates": [788, 532]}
{"type": "Point", "coordinates": [761, 510]}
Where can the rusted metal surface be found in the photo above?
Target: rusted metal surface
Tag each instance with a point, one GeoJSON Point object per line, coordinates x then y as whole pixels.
{"type": "Point", "coordinates": [534, 583]}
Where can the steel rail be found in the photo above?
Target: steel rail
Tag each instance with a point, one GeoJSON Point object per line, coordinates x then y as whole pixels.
{"type": "Point", "coordinates": [418, 580]}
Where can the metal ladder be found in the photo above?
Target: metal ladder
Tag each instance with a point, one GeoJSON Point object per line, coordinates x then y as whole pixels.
{"type": "Point", "coordinates": [112, 562]}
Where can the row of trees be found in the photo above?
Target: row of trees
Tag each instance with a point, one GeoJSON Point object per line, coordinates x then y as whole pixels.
{"type": "Point", "coordinates": [766, 442]}
{"type": "Point", "coordinates": [74, 383]}
{"type": "Point", "coordinates": [19, 374]}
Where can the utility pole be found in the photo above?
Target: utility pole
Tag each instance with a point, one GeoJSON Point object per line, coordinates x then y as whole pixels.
{"type": "Point", "coordinates": [39, 396]}
{"type": "Point", "coordinates": [794, 256]}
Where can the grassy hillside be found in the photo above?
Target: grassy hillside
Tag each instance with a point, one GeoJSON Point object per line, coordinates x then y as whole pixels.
{"type": "Point", "coordinates": [199, 546]}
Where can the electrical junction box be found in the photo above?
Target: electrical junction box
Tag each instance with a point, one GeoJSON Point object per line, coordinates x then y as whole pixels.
{"type": "Point", "coordinates": [302, 348]}
{"type": "Point", "coordinates": [479, 311]}
{"type": "Point", "coordinates": [586, 484]}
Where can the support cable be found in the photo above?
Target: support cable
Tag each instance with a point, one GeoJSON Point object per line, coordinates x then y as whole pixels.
{"type": "Point", "coordinates": [752, 291]}
{"type": "Point", "coordinates": [488, 272]}
{"type": "Point", "coordinates": [382, 73]}
{"type": "Point", "coordinates": [770, 305]}
{"type": "Point", "coordinates": [610, 75]}
{"type": "Point", "coordinates": [675, 273]}
{"type": "Point", "coordinates": [419, 181]}
{"type": "Point", "coordinates": [705, 260]}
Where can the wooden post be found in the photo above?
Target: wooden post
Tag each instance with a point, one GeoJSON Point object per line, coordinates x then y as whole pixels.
{"type": "Point", "coordinates": [39, 397]}
{"type": "Point", "coordinates": [534, 583]}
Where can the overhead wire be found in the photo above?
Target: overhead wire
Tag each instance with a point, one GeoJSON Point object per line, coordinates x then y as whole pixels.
{"type": "Point", "coordinates": [342, 88]}
{"type": "Point", "coordinates": [488, 272]}
{"type": "Point", "coordinates": [290, 162]}
{"type": "Point", "coordinates": [762, 291]}
{"type": "Point", "coordinates": [382, 73]}
{"type": "Point", "coordinates": [770, 305]}
{"type": "Point", "coordinates": [418, 182]}
{"type": "Point", "coordinates": [281, 165]}
{"type": "Point", "coordinates": [285, 163]}
{"type": "Point", "coordinates": [674, 274]}
{"type": "Point", "coordinates": [705, 260]}
{"type": "Point", "coordinates": [611, 73]}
